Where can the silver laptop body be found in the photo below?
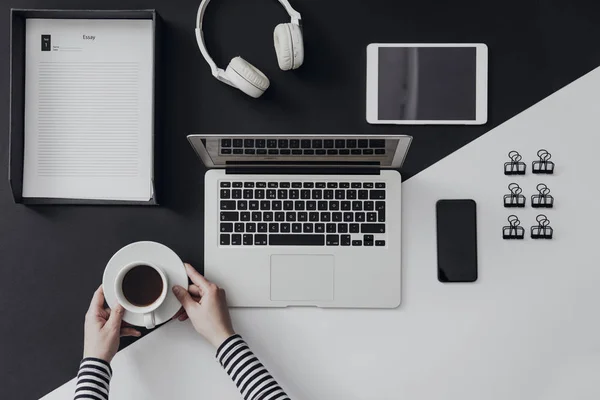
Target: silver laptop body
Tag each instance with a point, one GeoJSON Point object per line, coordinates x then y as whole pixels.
{"type": "Point", "coordinates": [303, 220]}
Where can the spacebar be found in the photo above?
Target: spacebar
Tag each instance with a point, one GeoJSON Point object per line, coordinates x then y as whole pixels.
{"type": "Point", "coordinates": [296, 240]}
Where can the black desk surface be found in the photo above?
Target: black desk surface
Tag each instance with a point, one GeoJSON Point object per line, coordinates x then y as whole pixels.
{"type": "Point", "coordinates": [52, 257]}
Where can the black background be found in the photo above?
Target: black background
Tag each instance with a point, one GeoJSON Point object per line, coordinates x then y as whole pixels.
{"type": "Point", "coordinates": [52, 257]}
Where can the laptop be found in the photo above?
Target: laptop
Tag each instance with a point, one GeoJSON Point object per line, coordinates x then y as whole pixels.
{"type": "Point", "coordinates": [301, 220]}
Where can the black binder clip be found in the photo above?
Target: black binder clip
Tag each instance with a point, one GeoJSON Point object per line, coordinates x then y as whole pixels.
{"type": "Point", "coordinates": [515, 198]}
{"type": "Point", "coordinates": [543, 229]}
{"type": "Point", "coordinates": [543, 199]}
{"type": "Point", "coordinates": [515, 166]}
{"type": "Point", "coordinates": [513, 231]}
{"type": "Point", "coordinates": [543, 165]}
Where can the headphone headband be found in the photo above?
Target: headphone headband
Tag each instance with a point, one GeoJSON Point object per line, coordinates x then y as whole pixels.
{"type": "Point", "coordinates": [217, 72]}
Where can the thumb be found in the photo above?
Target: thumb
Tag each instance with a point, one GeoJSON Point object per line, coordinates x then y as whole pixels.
{"type": "Point", "coordinates": [184, 297]}
{"type": "Point", "coordinates": [116, 316]}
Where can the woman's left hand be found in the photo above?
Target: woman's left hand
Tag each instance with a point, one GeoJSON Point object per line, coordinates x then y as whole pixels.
{"type": "Point", "coordinates": [103, 329]}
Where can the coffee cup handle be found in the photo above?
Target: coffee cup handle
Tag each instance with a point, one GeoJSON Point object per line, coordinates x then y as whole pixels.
{"type": "Point", "coordinates": [149, 321]}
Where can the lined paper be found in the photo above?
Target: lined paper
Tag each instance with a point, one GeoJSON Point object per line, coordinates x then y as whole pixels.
{"type": "Point", "coordinates": [88, 107]}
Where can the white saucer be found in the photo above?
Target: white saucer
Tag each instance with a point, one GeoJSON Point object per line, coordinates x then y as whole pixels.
{"type": "Point", "coordinates": [152, 253]}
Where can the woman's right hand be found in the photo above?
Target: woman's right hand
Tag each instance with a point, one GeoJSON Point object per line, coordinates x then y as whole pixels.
{"type": "Point", "coordinates": [206, 305]}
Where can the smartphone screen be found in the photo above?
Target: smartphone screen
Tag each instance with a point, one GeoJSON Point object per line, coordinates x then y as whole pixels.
{"type": "Point", "coordinates": [457, 240]}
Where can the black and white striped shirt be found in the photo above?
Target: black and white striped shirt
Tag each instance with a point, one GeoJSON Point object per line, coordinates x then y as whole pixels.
{"type": "Point", "coordinates": [93, 379]}
{"type": "Point", "coordinates": [249, 375]}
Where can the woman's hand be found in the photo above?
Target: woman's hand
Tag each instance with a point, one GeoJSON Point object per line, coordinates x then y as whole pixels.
{"type": "Point", "coordinates": [103, 328]}
{"type": "Point", "coordinates": [206, 306]}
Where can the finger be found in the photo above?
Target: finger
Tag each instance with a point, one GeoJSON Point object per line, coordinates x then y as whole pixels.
{"type": "Point", "coordinates": [116, 316]}
{"type": "Point", "coordinates": [97, 302]}
{"type": "Point", "coordinates": [105, 313]}
{"type": "Point", "coordinates": [130, 332]}
{"type": "Point", "coordinates": [178, 314]}
{"type": "Point", "coordinates": [182, 317]}
{"type": "Point", "coordinates": [184, 297]}
{"type": "Point", "coordinates": [198, 279]}
{"type": "Point", "coordinates": [194, 291]}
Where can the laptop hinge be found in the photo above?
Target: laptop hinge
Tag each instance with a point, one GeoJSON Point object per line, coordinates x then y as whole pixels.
{"type": "Point", "coordinates": [304, 170]}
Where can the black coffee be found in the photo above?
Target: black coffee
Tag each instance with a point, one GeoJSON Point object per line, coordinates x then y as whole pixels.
{"type": "Point", "coordinates": [142, 285]}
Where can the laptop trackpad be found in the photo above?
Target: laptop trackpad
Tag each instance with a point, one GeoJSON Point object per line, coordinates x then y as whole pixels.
{"type": "Point", "coordinates": [302, 277]}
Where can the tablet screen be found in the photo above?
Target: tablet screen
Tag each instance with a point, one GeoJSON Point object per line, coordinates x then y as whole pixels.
{"type": "Point", "coordinates": [427, 83]}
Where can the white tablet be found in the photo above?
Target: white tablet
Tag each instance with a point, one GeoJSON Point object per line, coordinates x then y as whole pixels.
{"type": "Point", "coordinates": [425, 84]}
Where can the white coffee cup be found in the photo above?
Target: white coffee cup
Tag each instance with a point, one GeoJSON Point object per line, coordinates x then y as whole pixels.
{"type": "Point", "coordinates": [148, 311]}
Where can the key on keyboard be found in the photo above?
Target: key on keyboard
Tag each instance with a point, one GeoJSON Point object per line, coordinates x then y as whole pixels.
{"type": "Point", "coordinates": [302, 147]}
{"type": "Point", "coordinates": [302, 213]}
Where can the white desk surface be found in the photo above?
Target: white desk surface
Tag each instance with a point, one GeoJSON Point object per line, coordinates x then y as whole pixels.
{"type": "Point", "coordinates": [528, 329]}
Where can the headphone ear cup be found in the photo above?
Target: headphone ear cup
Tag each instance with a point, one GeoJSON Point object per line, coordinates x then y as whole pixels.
{"type": "Point", "coordinates": [247, 77]}
{"type": "Point", "coordinates": [289, 46]}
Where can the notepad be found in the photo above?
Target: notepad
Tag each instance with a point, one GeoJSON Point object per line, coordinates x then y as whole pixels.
{"type": "Point", "coordinates": [89, 109]}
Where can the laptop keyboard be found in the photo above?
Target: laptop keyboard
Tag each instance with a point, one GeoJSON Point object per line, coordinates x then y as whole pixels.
{"type": "Point", "coordinates": [302, 213]}
{"type": "Point", "coordinates": [303, 147]}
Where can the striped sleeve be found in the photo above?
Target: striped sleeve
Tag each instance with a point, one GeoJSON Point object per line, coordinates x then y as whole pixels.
{"type": "Point", "coordinates": [249, 375]}
{"type": "Point", "coordinates": [93, 379]}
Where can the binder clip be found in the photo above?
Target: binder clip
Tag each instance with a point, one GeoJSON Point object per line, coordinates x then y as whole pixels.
{"type": "Point", "coordinates": [543, 165]}
{"type": "Point", "coordinates": [513, 231]}
{"type": "Point", "coordinates": [543, 199]}
{"type": "Point", "coordinates": [515, 198]}
{"type": "Point", "coordinates": [543, 229]}
{"type": "Point", "coordinates": [515, 166]}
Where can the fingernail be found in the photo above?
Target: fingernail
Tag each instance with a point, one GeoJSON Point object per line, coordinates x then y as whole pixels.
{"type": "Point", "coordinates": [176, 289]}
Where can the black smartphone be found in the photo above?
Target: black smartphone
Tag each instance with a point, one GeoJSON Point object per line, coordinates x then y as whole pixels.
{"type": "Point", "coordinates": [457, 240]}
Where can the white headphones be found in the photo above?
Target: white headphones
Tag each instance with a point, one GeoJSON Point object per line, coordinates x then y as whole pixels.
{"type": "Point", "coordinates": [289, 47]}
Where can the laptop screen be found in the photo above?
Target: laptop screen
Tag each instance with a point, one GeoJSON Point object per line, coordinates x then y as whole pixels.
{"type": "Point", "coordinates": [382, 151]}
